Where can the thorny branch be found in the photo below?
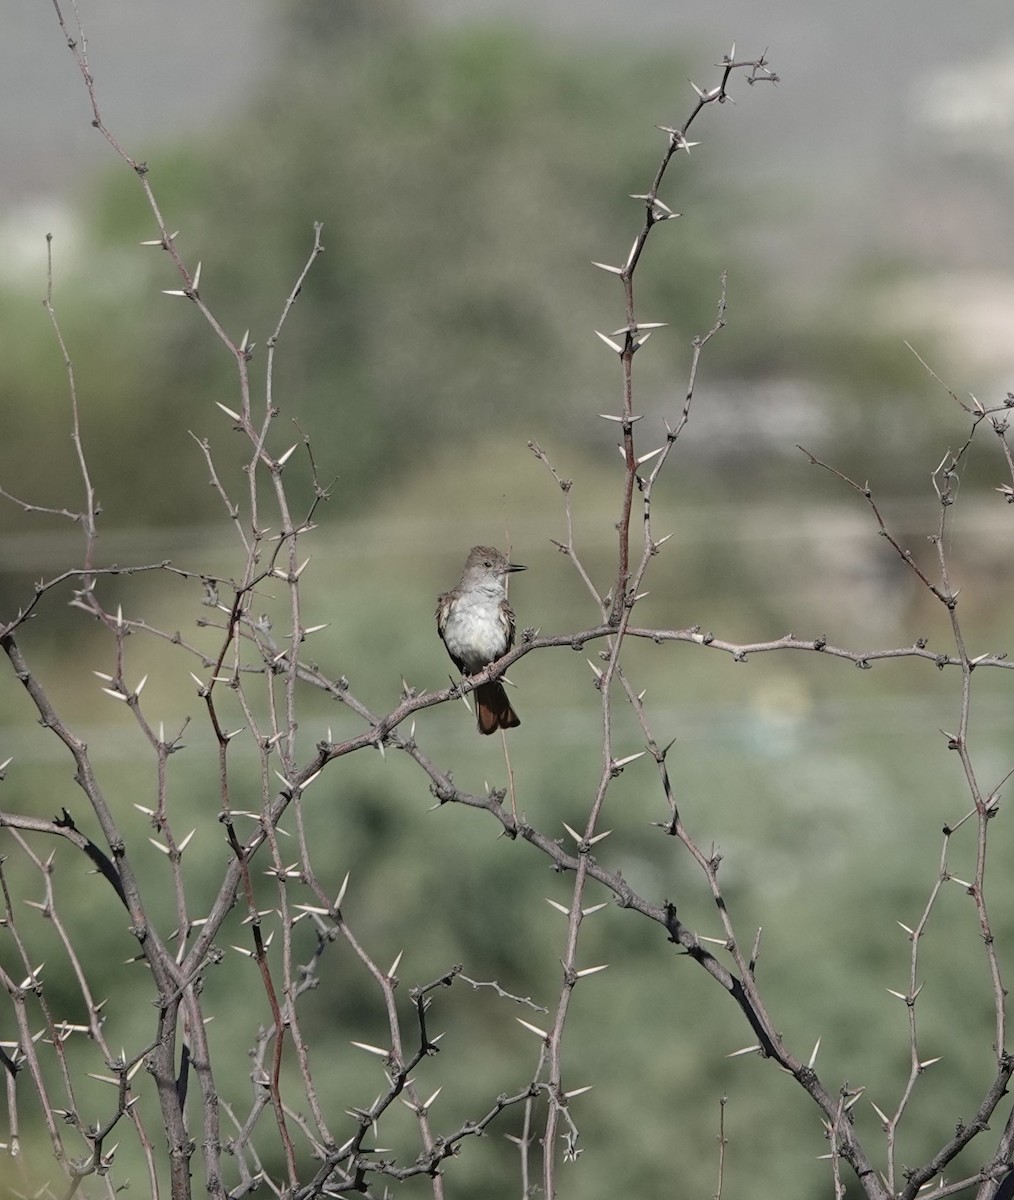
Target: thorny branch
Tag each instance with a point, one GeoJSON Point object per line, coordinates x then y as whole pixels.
{"type": "Point", "coordinates": [247, 654]}
{"type": "Point", "coordinates": [636, 333]}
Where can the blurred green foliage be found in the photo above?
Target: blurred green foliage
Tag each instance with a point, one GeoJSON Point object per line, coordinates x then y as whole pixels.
{"type": "Point", "coordinates": [465, 179]}
{"type": "Point", "coordinates": [824, 789]}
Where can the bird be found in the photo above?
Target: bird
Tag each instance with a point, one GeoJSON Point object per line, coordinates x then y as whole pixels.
{"type": "Point", "coordinates": [476, 624]}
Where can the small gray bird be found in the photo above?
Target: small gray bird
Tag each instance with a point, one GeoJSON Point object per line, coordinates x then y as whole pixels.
{"type": "Point", "coordinates": [476, 624]}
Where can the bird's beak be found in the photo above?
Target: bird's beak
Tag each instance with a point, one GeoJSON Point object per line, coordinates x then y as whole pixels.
{"type": "Point", "coordinates": [516, 567]}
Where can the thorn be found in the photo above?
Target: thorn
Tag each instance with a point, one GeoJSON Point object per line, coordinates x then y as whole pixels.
{"type": "Point", "coordinates": [599, 837]}
{"type": "Point", "coordinates": [371, 1049]}
{"type": "Point", "coordinates": [609, 342]}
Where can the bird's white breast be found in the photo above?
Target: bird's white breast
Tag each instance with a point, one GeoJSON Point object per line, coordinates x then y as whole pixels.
{"type": "Point", "coordinates": [474, 631]}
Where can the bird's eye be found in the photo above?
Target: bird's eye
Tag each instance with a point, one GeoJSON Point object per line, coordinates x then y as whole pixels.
{"type": "Point", "coordinates": [487, 563]}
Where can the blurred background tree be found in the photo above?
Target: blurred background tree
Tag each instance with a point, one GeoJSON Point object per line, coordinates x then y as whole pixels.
{"type": "Point", "coordinates": [465, 178]}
